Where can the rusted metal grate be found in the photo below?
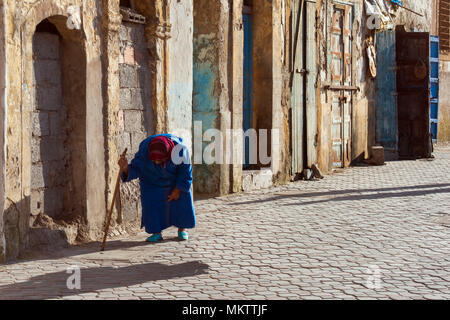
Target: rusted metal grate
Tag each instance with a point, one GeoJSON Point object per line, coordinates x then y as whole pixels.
{"type": "Point", "coordinates": [444, 25]}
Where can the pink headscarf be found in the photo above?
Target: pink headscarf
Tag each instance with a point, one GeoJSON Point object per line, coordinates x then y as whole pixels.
{"type": "Point", "coordinates": [160, 148]}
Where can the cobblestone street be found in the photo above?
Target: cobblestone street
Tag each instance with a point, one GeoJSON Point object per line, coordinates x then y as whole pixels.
{"type": "Point", "coordinates": [365, 233]}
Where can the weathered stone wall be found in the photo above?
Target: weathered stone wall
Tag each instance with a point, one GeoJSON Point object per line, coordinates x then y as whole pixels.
{"type": "Point", "coordinates": [48, 149]}
{"type": "Point", "coordinates": [22, 19]}
{"type": "Point", "coordinates": [413, 22]}
{"type": "Point", "coordinates": [208, 86]}
{"type": "Point", "coordinates": [135, 106]}
{"type": "Point", "coordinates": [58, 142]}
{"type": "Point", "coordinates": [218, 82]}
{"type": "Point", "coordinates": [2, 128]}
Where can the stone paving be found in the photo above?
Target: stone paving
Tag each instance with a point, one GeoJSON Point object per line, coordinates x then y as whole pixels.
{"type": "Point", "coordinates": [362, 233]}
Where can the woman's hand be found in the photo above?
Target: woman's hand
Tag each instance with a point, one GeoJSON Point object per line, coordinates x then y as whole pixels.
{"type": "Point", "coordinates": [175, 195]}
{"type": "Point", "coordinates": [123, 164]}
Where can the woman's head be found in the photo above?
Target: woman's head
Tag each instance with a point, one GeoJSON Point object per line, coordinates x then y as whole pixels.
{"type": "Point", "coordinates": [160, 149]}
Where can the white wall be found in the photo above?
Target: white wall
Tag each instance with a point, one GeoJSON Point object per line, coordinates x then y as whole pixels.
{"type": "Point", "coordinates": [181, 69]}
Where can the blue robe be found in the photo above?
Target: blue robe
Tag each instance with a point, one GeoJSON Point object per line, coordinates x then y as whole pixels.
{"type": "Point", "coordinates": [157, 182]}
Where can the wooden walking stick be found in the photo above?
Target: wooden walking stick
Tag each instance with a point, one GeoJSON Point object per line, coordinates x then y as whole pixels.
{"type": "Point", "coordinates": [112, 204]}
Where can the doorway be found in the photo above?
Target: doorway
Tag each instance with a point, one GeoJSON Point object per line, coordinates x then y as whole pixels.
{"type": "Point", "coordinates": [58, 142]}
{"type": "Point", "coordinates": [341, 84]}
{"type": "Point", "coordinates": [413, 88]}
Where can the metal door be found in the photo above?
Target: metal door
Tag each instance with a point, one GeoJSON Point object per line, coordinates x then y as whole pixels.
{"type": "Point", "coordinates": [341, 80]}
{"type": "Point", "coordinates": [434, 86]}
{"type": "Point", "coordinates": [413, 88]}
{"type": "Point", "coordinates": [248, 83]}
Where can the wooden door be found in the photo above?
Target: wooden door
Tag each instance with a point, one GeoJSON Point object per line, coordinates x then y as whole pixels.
{"type": "Point", "coordinates": [341, 77]}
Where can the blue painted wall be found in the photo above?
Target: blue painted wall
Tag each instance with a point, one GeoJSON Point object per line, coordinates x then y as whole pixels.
{"type": "Point", "coordinates": [205, 106]}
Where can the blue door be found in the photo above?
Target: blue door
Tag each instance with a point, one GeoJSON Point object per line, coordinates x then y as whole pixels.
{"type": "Point", "coordinates": [386, 96]}
{"type": "Point", "coordinates": [434, 86]}
{"type": "Point", "coordinates": [248, 83]}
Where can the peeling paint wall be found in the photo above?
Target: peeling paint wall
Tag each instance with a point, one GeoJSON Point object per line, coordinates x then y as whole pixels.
{"type": "Point", "coordinates": [218, 85]}
{"type": "Point", "coordinates": [207, 86]}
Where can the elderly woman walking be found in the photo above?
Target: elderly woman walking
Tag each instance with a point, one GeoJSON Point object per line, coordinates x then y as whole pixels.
{"type": "Point", "coordinates": [165, 186]}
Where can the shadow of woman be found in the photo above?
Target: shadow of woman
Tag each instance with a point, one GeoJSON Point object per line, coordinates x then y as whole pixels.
{"type": "Point", "coordinates": [55, 285]}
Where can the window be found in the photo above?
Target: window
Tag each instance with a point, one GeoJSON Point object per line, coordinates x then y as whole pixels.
{"type": "Point", "coordinates": [444, 25]}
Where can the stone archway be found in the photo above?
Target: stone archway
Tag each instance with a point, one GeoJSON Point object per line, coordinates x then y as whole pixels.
{"type": "Point", "coordinates": [80, 161]}
{"type": "Point", "coordinates": [58, 142]}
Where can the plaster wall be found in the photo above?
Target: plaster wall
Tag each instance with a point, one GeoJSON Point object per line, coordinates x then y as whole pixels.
{"type": "Point", "coordinates": [181, 70]}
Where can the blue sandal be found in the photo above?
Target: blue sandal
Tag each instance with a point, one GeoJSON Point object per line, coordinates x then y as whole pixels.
{"type": "Point", "coordinates": [182, 235]}
{"type": "Point", "coordinates": [154, 238]}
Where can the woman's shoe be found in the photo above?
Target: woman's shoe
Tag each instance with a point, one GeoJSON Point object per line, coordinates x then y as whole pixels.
{"type": "Point", "coordinates": [154, 238]}
{"type": "Point", "coordinates": [182, 235]}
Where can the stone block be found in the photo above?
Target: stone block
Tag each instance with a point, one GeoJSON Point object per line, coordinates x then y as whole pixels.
{"type": "Point", "coordinates": [128, 76]}
{"type": "Point", "coordinates": [46, 46]}
{"type": "Point", "coordinates": [124, 33]}
{"type": "Point", "coordinates": [55, 124]}
{"type": "Point", "coordinates": [46, 149]}
{"type": "Point", "coordinates": [136, 139]}
{"type": "Point", "coordinates": [125, 142]}
{"type": "Point", "coordinates": [35, 149]}
{"type": "Point", "coordinates": [128, 56]}
{"type": "Point", "coordinates": [40, 124]}
{"type": "Point", "coordinates": [53, 201]}
{"type": "Point", "coordinates": [51, 149]}
{"type": "Point", "coordinates": [133, 121]}
{"type": "Point", "coordinates": [54, 173]}
{"type": "Point", "coordinates": [120, 120]}
{"type": "Point", "coordinates": [48, 98]}
{"type": "Point", "coordinates": [47, 73]}
{"type": "Point", "coordinates": [45, 237]}
{"type": "Point", "coordinates": [264, 179]}
{"type": "Point", "coordinates": [247, 181]}
{"type": "Point", "coordinates": [37, 176]}
{"type": "Point", "coordinates": [137, 99]}
{"type": "Point", "coordinates": [125, 98]}
{"type": "Point", "coordinates": [47, 174]}
{"type": "Point", "coordinates": [377, 155]}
